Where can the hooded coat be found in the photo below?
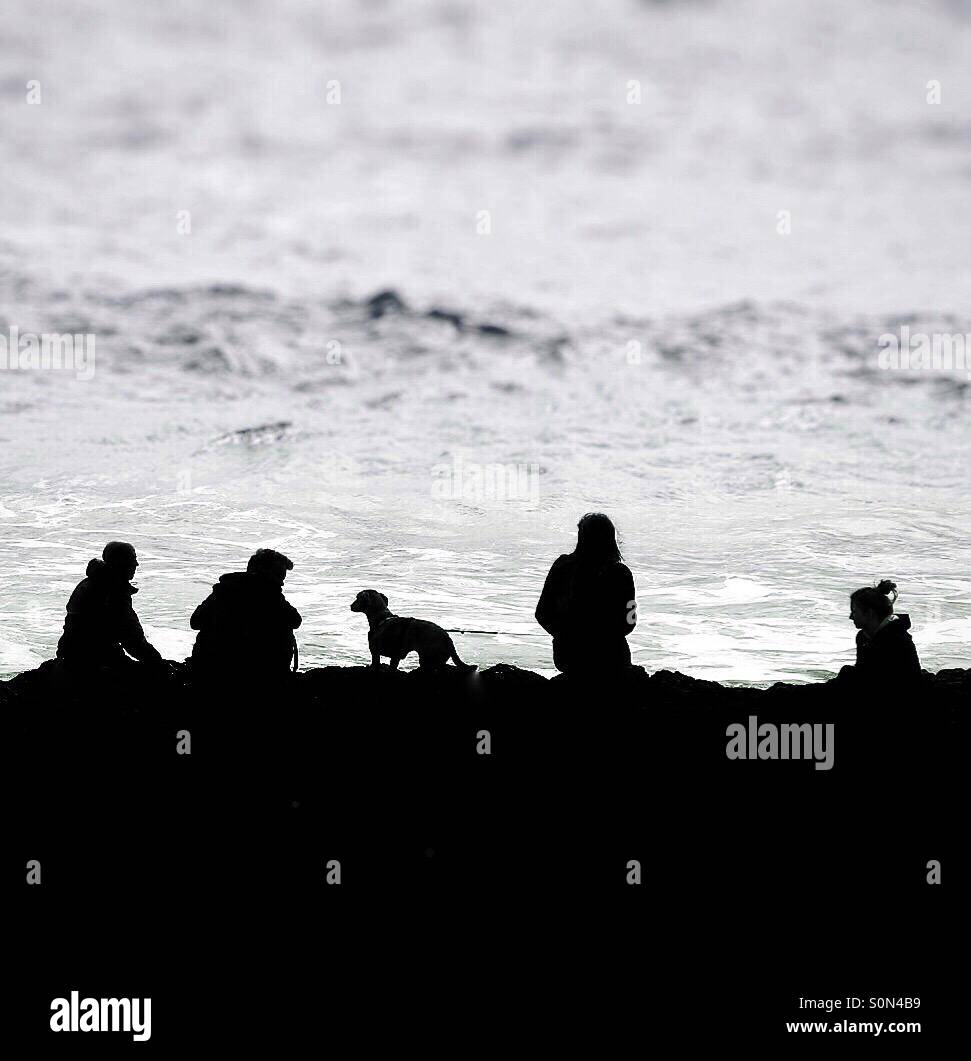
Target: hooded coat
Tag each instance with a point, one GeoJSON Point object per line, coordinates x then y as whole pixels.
{"type": "Point", "coordinates": [589, 610]}
{"type": "Point", "coordinates": [245, 628]}
{"type": "Point", "coordinates": [101, 624]}
{"type": "Point", "coordinates": [889, 656]}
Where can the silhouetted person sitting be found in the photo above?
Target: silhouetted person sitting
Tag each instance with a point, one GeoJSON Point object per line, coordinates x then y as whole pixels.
{"type": "Point", "coordinates": [588, 602]}
{"type": "Point", "coordinates": [101, 624]}
{"type": "Point", "coordinates": [246, 625]}
{"type": "Point", "coordinates": [885, 652]}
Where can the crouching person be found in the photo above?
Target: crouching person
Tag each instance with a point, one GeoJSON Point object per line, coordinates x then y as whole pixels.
{"type": "Point", "coordinates": [246, 625]}
{"type": "Point", "coordinates": [885, 684]}
{"type": "Point", "coordinates": [886, 657]}
{"type": "Point", "coordinates": [101, 626]}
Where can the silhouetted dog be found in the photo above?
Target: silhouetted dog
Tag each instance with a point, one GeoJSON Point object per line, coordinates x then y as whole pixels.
{"type": "Point", "coordinates": [395, 636]}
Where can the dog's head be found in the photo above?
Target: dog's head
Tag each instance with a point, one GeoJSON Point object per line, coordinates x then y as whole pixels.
{"type": "Point", "coordinates": [369, 600]}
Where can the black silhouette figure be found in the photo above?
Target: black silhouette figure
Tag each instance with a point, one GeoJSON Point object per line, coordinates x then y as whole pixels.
{"type": "Point", "coordinates": [395, 636]}
{"type": "Point", "coordinates": [246, 624]}
{"type": "Point", "coordinates": [588, 602]}
{"type": "Point", "coordinates": [101, 624]}
{"type": "Point", "coordinates": [885, 651]}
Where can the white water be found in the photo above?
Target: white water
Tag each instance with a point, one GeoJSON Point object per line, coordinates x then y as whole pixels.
{"type": "Point", "coordinates": [759, 463]}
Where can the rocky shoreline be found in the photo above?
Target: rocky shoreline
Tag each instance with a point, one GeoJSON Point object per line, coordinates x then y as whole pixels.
{"type": "Point", "coordinates": [491, 779]}
{"type": "Point", "coordinates": [950, 688]}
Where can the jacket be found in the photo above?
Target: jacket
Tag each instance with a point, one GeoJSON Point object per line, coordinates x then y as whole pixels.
{"type": "Point", "coordinates": [589, 611]}
{"type": "Point", "coordinates": [889, 656]}
{"type": "Point", "coordinates": [245, 627]}
{"type": "Point", "coordinates": [101, 625]}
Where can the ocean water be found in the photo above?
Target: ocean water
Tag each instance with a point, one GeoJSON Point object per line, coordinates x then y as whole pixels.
{"type": "Point", "coordinates": [596, 309]}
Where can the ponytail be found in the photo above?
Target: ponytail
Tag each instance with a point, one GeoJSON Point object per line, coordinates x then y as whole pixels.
{"type": "Point", "coordinates": [888, 589]}
{"type": "Point", "coordinates": [879, 599]}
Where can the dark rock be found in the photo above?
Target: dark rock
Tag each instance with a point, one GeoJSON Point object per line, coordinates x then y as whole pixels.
{"type": "Point", "coordinates": [455, 319]}
{"type": "Point", "coordinates": [383, 303]}
{"type": "Point", "coordinates": [376, 767]}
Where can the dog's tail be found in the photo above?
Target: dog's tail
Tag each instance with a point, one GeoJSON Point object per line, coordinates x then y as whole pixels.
{"type": "Point", "coordinates": [454, 656]}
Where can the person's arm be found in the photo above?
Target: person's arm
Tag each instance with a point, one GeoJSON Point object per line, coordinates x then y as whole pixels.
{"type": "Point", "coordinates": [293, 618]}
{"type": "Point", "coordinates": [861, 646]}
{"type": "Point", "coordinates": [900, 661]}
{"type": "Point", "coordinates": [914, 668]}
{"type": "Point", "coordinates": [547, 610]}
{"type": "Point", "coordinates": [848, 672]}
{"type": "Point", "coordinates": [132, 638]}
{"type": "Point", "coordinates": [628, 595]}
{"type": "Point", "coordinates": [617, 611]}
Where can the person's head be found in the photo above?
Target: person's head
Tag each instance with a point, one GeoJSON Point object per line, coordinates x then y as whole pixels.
{"type": "Point", "coordinates": [870, 605]}
{"type": "Point", "coordinates": [269, 564]}
{"type": "Point", "coordinates": [120, 559]}
{"type": "Point", "coordinates": [596, 539]}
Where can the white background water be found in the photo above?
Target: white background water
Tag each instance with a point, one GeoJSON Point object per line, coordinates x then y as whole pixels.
{"type": "Point", "coordinates": [758, 462]}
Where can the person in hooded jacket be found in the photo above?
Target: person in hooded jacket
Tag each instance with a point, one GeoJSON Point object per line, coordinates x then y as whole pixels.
{"type": "Point", "coordinates": [588, 602]}
{"type": "Point", "coordinates": [246, 624]}
{"type": "Point", "coordinates": [101, 625]}
{"type": "Point", "coordinates": [885, 651]}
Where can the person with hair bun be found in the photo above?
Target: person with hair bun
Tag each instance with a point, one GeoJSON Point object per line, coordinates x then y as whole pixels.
{"type": "Point", "coordinates": [885, 651]}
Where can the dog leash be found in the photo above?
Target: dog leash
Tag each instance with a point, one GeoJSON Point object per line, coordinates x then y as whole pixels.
{"type": "Point", "coordinates": [507, 633]}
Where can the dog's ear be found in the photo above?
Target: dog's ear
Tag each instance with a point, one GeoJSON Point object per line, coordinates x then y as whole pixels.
{"type": "Point", "coordinates": [384, 598]}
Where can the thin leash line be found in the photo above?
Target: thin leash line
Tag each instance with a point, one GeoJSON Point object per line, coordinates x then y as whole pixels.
{"type": "Point", "coordinates": [508, 633]}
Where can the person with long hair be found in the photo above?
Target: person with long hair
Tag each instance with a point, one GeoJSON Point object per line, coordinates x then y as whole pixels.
{"type": "Point", "coordinates": [588, 603]}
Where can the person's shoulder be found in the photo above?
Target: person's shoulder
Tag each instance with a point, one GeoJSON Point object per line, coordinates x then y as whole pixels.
{"type": "Point", "coordinates": [562, 567]}
{"type": "Point", "coordinates": [81, 594]}
{"type": "Point", "coordinates": [902, 624]}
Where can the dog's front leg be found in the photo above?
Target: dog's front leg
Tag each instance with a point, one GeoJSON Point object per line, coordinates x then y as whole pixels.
{"type": "Point", "coordinates": [375, 660]}
{"type": "Point", "coordinates": [394, 663]}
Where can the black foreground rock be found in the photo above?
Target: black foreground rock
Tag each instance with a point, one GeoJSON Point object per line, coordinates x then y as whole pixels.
{"type": "Point", "coordinates": [385, 773]}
